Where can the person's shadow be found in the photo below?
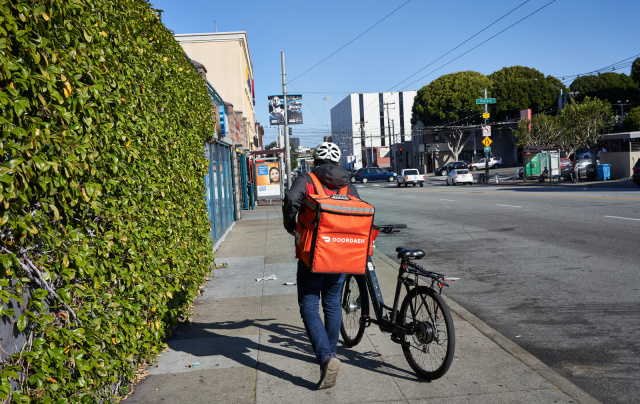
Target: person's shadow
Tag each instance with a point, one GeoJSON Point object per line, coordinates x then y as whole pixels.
{"type": "Point", "coordinates": [293, 340]}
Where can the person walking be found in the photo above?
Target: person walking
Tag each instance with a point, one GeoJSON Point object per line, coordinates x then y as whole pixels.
{"type": "Point", "coordinates": [576, 172]}
{"type": "Point", "coordinates": [314, 286]}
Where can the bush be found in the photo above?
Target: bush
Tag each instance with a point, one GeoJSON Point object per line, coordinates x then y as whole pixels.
{"type": "Point", "coordinates": [102, 215]}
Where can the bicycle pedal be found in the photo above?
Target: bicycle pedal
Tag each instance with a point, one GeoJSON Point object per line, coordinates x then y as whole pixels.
{"type": "Point", "coordinates": [397, 338]}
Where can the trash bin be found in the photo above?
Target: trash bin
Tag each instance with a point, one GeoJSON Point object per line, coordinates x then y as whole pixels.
{"type": "Point", "coordinates": [604, 172]}
{"type": "Point", "coordinates": [591, 172]}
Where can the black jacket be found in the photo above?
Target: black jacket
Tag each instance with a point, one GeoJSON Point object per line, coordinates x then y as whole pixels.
{"type": "Point", "coordinates": [332, 177]}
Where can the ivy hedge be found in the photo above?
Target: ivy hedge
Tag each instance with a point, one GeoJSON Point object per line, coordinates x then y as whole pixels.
{"type": "Point", "coordinates": [102, 214]}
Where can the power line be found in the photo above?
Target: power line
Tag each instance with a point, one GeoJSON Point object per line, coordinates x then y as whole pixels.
{"type": "Point", "coordinates": [475, 47]}
{"type": "Point", "coordinates": [459, 45]}
{"type": "Point", "coordinates": [350, 42]}
{"type": "Point", "coordinates": [482, 43]}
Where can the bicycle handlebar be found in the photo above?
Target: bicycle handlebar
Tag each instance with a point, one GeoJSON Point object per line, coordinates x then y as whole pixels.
{"type": "Point", "coordinates": [389, 228]}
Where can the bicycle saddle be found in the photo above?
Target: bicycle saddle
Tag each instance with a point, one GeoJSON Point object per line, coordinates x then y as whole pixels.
{"type": "Point", "coordinates": [404, 253]}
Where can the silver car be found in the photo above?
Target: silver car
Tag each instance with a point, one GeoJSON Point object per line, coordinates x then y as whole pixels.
{"type": "Point", "coordinates": [460, 176]}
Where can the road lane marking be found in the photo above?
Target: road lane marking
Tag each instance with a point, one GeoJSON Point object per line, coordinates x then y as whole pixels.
{"type": "Point", "coordinates": [624, 218]}
{"type": "Point", "coordinates": [530, 194]}
{"type": "Point", "coordinates": [448, 200]}
{"type": "Point", "coordinates": [508, 206]}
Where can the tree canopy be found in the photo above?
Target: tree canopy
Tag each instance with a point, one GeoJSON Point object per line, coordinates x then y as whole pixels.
{"type": "Point", "coordinates": [586, 121]}
{"type": "Point", "coordinates": [449, 98]}
{"type": "Point", "coordinates": [632, 120]}
{"type": "Point", "coordinates": [517, 87]}
{"type": "Point", "coordinates": [540, 130]}
{"type": "Point", "coordinates": [635, 71]}
{"type": "Point", "coordinates": [610, 86]}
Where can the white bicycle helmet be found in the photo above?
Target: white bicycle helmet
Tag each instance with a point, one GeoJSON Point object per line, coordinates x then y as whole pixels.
{"type": "Point", "coordinates": [327, 151]}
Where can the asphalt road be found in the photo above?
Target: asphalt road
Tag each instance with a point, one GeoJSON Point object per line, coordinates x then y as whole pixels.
{"type": "Point", "coordinates": [555, 269]}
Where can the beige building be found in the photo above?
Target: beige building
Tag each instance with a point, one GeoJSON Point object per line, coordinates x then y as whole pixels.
{"type": "Point", "coordinates": [227, 60]}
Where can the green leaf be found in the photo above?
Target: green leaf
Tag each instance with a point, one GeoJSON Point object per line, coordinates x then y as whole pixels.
{"type": "Point", "coordinates": [22, 322]}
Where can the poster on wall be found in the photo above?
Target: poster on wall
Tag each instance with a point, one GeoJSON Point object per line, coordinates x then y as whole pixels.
{"type": "Point", "coordinates": [294, 109]}
{"type": "Point", "coordinates": [268, 179]}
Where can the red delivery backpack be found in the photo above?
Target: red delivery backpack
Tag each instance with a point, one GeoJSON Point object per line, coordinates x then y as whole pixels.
{"type": "Point", "coordinates": [333, 233]}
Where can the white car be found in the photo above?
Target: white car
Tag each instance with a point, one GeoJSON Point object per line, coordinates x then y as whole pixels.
{"type": "Point", "coordinates": [460, 176]}
{"type": "Point", "coordinates": [494, 162]}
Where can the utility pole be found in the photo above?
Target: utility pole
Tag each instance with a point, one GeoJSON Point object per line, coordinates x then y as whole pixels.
{"type": "Point", "coordinates": [486, 154]}
{"type": "Point", "coordinates": [363, 144]}
{"type": "Point", "coordinates": [391, 146]}
{"type": "Point", "coordinates": [286, 125]}
{"type": "Point", "coordinates": [328, 131]}
{"type": "Point", "coordinates": [386, 104]}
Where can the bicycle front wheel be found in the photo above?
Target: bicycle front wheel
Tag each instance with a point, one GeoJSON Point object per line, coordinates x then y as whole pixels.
{"type": "Point", "coordinates": [429, 340]}
{"type": "Point", "coordinates": [355, 304]}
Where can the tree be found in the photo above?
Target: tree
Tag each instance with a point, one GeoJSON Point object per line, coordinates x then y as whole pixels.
{"type": "Point", "coordinates": [585, 122]}
{"type": "Point", "coordinates": [540, 130]}
{"type": "Point", "coordinates": [292, 150]}
{"type": "Point", "coordinates": [612, 87]}
{"type": "Point", "coordinates": [632, 121]}
{"type": "Point", "coordinates": [449, 98]}
{"type": "Point", "coordinates": [635, 71]}
{"type": "Point", "coordinates": [517, 87]}
{"type": "Point", "coordinates": [456, 141]}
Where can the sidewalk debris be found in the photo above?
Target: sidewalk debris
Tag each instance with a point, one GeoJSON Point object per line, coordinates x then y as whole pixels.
{"type": "Point", "coordinates": [270, 278]}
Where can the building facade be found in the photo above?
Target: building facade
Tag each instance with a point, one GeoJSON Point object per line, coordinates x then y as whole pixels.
{"type": "Point", "coordinates": [368, 126]}
{"type": "Point", "coordinates": [226, 59]}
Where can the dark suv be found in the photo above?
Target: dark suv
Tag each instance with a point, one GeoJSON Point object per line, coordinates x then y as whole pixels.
{"type": "Point", "coordinates": [446, 169]}
{"type": "Point", "coordinates": [636, 173]}
{"type": "Point", "coordinates": [367, 174]}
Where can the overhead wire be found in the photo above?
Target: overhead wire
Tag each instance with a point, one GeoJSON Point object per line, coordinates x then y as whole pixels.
{"type": "Point", "coordinates": [350, 42]}
{"type": "Point", "coordinates": [367, 109]}
{"type": "Point", "coordinates": [460, 44]}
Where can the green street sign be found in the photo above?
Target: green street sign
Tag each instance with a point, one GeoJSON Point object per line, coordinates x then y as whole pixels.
{"type": "Point", "coordinates": [487, 149]}
{"type": "Point", "coordinates": [485, 100]}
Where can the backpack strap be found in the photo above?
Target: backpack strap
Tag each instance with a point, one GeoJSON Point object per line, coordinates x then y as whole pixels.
{"type": "Point", "coordinates": [320, 189]}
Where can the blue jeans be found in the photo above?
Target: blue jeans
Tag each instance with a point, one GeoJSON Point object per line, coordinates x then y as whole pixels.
{"type": "Point", "coordinates": [312, 286]}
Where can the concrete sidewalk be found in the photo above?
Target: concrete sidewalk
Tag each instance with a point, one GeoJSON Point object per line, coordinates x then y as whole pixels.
{"type": "Point", "coordinates": [247, 343]}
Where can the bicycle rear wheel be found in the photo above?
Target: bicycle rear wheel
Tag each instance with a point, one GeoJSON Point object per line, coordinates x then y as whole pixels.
{"type": "Point", "coordinates": [429, 341]}
{"type": "Point", "coordinates": [355, 304]}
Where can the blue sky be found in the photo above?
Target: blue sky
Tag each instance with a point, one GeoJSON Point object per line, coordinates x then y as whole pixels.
{"type": "Point", "coordinates": [375, 46]}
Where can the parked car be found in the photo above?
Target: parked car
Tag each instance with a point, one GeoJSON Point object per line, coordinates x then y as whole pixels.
{"type": "Point", "coordinates": [410, 176]}
{"type": "Point", "coordinates": [460, 176]}
{"type": "Point", "coordinates": [636, 173]}
{"type": "Point", "coordinates": [445, 169]}
{"type": "Point", "coordinates": [587, 154]}
{"type": "Point", "coordinates": [367, 174]}
{"type": "Point", "coordinates": [494, 162]}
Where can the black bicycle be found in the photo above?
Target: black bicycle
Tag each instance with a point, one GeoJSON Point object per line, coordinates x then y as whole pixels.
{"type": "Point", "coordinates": [423, 326]}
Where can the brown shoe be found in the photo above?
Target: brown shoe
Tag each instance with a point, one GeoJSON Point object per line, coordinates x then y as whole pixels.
{"type": "Point", "coordinates": [329, 373]}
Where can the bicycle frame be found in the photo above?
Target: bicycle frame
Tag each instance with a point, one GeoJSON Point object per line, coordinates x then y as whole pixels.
{"type": "Point", "coordinates": [380, 309]}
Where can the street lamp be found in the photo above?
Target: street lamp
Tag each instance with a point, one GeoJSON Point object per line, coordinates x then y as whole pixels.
{"type": "Point", "coordinates": [328, 127]}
